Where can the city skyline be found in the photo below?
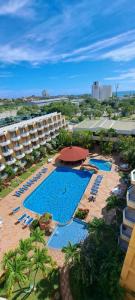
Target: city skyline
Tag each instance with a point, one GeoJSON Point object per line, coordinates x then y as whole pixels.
{"type": "Point", "coordinates": [65, 46]}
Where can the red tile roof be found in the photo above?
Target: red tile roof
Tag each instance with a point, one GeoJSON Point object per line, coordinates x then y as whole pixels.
{"type": "Point", "coordinates": [73, 153]}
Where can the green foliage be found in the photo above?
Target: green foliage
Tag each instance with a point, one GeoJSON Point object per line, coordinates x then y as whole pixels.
{"type": "Point", "coordinates": [19, 265]}
{"type": "Point", "coordinates": [66, 108]}
{"type": "Point", "coordinates": [9, 170]}
{"type": "Point", "coordinates": [95, 274]}
{"type": "Point", "coordinates": [81, 213]}
{"type": "Point", "coordinates": [126, 148]}
{"type": "Point", "coordinates": [115, 202]}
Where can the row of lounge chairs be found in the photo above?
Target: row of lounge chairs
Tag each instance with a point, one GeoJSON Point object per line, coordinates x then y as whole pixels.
{"type": "Point", "coordinates": [29, 183]}
{"type": "Point", "coordinates": [95, 187]}
{"type": "Point", "coordinates": [24, 218]}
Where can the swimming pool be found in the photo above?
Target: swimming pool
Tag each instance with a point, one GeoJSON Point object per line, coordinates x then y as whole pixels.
{"type": "Point", "coordinates": [59, 194]}
{"type": "Point", "coordinates": [75, 232]}
{"type": "Point", "coordinates": [101, 164]}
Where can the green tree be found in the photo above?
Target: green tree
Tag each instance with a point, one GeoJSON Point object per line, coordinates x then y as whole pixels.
{"type": "Point", "coordinates": [37, 236]}
{"type": "Point", "coordinates": [71, 253]}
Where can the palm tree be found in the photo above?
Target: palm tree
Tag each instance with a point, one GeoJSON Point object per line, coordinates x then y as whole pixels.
{"type": "Point", "coordinates": [41, 262]}
{"type": "Point", "coordinates": [25, 246]}
{"type": "Point", "coordinates": [15, 273]}
{"type": "Point", "coordinates": [71, 253]}
{"type": "Point", "coordinates": [10, 255]}
{"type": "Point", "coordinates": [38, 236]}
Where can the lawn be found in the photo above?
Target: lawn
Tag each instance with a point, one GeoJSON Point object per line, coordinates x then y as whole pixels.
{"type": "Point", "coordinates": [45, 288]}
{"type": "Point", "coordinates": [19, 179]}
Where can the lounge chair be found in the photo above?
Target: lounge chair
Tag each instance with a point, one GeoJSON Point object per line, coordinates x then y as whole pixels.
{"type": "Point", "coordinates": [15, 209]}
{"type": "Point", "coordinates": [21, 218]}
{"type": "Point", "coordinates": [26, 219]}
{"type": "Point", "coordinates": [17, 194]}
{"type": "Point", "coordinates": [28, 222]}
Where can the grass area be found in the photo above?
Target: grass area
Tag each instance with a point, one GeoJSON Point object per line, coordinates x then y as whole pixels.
{"type": "Point", "coordinates": [19, 179]}
{"type": "Point", "coordinates": [45, 288]}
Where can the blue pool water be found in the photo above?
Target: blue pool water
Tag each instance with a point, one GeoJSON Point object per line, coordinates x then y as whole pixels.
{"type": "Point", "coordinates": [59, 194]}
{"type": "Point", "coordinates": [74, 233]}
{"type": "Point", "coordinates": [101, 164]}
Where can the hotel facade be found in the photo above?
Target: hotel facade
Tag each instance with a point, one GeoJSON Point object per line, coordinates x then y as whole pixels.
{"type": "Point", "coordinates": [20, 139]}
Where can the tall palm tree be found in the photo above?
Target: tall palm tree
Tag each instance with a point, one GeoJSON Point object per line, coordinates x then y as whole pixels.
{"type": "Point", "coordinates": [38, 236]}
{"type": "Point", "coordinates": [41, 262]}
{"type": "Point", "coordinates": [71, 253]}
{"type": "Point", "coordinates": [15, 273]}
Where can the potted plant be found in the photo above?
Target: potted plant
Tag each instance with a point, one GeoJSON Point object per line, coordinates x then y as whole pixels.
{"type": "Point", "coordinates": [45, 220]}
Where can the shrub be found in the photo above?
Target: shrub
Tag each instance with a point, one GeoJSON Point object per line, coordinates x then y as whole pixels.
{"type": "Point", "coordinates": [81, 213]}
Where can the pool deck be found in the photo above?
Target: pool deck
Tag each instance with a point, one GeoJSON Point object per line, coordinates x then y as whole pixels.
{"type": "Point", "coordinates": [10, 234]}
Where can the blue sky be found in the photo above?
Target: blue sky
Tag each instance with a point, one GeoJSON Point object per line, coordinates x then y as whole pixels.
{"type": "Point", "coordinates": [64, 45]}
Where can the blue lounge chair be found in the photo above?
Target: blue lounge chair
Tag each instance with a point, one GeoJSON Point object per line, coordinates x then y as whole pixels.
{"type": "Point", "coordinates": [26, 219]}
{"type": "Point", "coordinates": [22, 218]}
{"type": "Point", "coordinates": [17, 194]}
{"type": "Point", "coordinates": [15, 209]}
{"type": "Point", "coordinates": [28, 222]}
{"type": "Point", "coordinates": [25, 187]}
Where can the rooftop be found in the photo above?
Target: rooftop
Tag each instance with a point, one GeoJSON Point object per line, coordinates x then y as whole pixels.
{"type": "Point", "coordinates": [26, 122]}
{"type": "Point", "coordinates": [121, 127]}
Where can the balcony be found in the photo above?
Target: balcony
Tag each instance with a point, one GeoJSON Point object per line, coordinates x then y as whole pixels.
{"type": "Point", "coordinates": [15, 138]}
{"type": "Point", "coordinates": [131, 197]}
{"type": "Point", "coordinates": [15, 169]}
{"type": "Point", "coordinates": [46, 126]}
{"type": "Point", "coordinates": [8, 152]}
{"type": "Point", "coordinates": [123, 244]}
{"type": "Point", "coordinates": [47, 133]}
{"type": "Point", "coordinates": [11, 161]}
{"type": "Point", "coordinates": [34, 130]}
{"type": "Point", "coordinates": [18, 147]}
{"type": "Point", "coordinates": [36, 146]}
{"type": "Point", "coordinates": [125, 232]}
{"type": "Point", "coordinates": [2, 167]}
{"type": "Point", "coordinates": [25, 134]}
{"type": "Point", "coordinates": [48, 139]}
{"type": "Point", "coordinates": [20, 155]}
{"type": "Point", "coordinates": [42, 143]}
{"type": "Point", "coordinates": [28, 151]}
{"type": "Point", "coordinates": [40, 128]}
{"type": "Point", "coordinates": [133, 177]}
{"type": "Point", "coordinates": [27, 143]}
{"type": "Point", "coordinates": [34, 139]}
{"type": "Point", "coordinates": [129, 217]}
{"type": "Point", "coordinates": [23, 163]}
{"type": "Point", "coordinates": [4, 143]}
{"type": "Point", "coordinates": [41, 135]}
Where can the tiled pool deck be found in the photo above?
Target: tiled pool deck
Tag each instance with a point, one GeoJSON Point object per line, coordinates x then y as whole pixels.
{"type": "Point", "coordinates": [10, 234]}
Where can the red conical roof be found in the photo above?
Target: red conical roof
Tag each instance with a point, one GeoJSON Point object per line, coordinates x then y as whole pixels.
{"type": "Point", "coordinates": [73, 153]}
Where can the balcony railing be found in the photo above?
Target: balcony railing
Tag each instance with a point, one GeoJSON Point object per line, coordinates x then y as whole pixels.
{"type": "Point", "coordinates": [4, 143]}
{"type": "Point", "coordinates": [7, 152]}
{"type": "Point", "coordinates": [129, 216]}
{"type": "Point", "coordinates": [41, 135]}
{"type": "Point", "coordinates": [133, 177]}
{"type": "Point", "coordinates": [34, 139]}
{"type": "Point", "coordinates": [18, 147]}
{"type": "Point", "coordinates": [20, 156]}
{"type": "Point", "coordinates": [34, 130]}
{"type": "Point", "coordinates": [131, 197]}
{"type": "Point", "coordinates": [36, 146]}
{"type": "Point", "coordinates": [26, 143]}
{"type": "Point", "coordinates": [42, 142]}
{"type": "Point", "coordinates": [2, 167]}
{"type": "Point", "coordinates": [11, 162]}
{"type": "Point", "coordinates": [28, 151]}
{"type": "Point", "coordinates": [24, 134]}
{"type": "Point", "coordinates": [40, 128]}
{"type": "Point", "coordinates": [15, 138]}
{"type": "Point", "coordinates": [125, 232]}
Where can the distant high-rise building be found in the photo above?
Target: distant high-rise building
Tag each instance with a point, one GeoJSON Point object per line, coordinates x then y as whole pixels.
{"type": "Point", "coordinates": [101, 92]}
{"type": "Point", "coordinates": [45, 94]}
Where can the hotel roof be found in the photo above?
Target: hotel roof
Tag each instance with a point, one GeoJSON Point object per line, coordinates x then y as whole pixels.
{"type": "Point", "coordinates": [26, 122]}
{"type": "Point", "coordinates": [121, 127]}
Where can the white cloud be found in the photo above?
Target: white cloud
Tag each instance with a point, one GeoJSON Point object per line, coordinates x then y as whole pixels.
{"type": "Point", "coordinates": [14, 7]}
{"type": "Point", "coordinates": [125, 75]}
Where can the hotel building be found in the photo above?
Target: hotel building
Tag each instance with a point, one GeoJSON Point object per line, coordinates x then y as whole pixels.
{"type": "Point", "coordinates": [127, 241]}
{"type": "Point", "coordinates": [101, 92]}
{"type": "Point", "coordinates": [21, 138]}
